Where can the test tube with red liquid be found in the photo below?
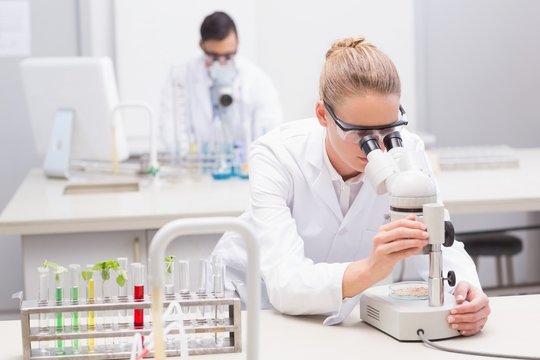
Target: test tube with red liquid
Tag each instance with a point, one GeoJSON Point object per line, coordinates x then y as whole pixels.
{"type": "Point", "coordinates": [137, 270]}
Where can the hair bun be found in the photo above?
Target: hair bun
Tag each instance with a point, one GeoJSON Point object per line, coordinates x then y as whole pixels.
{"type": "Point", "coordinates": [355, 42]}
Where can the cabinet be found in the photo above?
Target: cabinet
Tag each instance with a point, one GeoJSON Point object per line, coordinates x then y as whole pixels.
{"type": "Point", "coordinates": [81, 248]}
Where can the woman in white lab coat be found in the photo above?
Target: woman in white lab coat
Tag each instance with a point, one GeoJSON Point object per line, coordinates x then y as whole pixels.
{"type": "Point", "coordinates": [320, 225]}
{"type": "Point", "coordinates": [187, 109]}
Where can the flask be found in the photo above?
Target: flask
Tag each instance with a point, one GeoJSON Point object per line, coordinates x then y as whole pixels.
{"type": "Point", "coordinates": [240, 164]}
{"type": "Point", "coordinates": [221, 149]}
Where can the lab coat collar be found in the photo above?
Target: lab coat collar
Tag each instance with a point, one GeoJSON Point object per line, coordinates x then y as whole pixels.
{"type": "Point", "coordinates": [320, 177]}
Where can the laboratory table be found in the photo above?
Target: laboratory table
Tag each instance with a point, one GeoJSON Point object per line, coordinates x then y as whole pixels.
{"type": "Point", "coordinates": [124, 222]}
{"type": "Point", "coordinates": [511, 329]}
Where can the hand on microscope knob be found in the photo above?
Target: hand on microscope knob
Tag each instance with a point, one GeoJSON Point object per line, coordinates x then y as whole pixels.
{"type": "Point", "coordinates": [472, 309]}
{"type": "Point", "coordinates": [394, 242]}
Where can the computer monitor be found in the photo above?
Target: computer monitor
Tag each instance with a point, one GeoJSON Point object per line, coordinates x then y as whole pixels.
{"type": "Point", "coordinates": [83, 89]}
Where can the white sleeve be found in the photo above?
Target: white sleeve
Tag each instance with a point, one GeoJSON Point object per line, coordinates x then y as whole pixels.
{"type": "Point", "coordinates": [295, 285]}
{"type": "Point", "coordinates": [267, 110]}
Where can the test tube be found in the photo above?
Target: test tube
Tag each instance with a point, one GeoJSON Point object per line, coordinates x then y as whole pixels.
{"type": "Point", "coordinates": [74, 273]}
{"type": "Point", "coordinates": [138, 294]}
{"type": "Point", "coordinates": [201, 290]}
{"type": "Point", "coordinates": [183, 278]}
{"type": "Point", "coordinates": [43, 296]}
{"type": "Point", "coordinates": [169, 277]}
{"type": "Point", "coordinates": [43, 300]}
{"type": "Point", "coordinates": [59, 316]}
{"type": "Point", "coordinates": [88, 276]}
{"type": "Point", "coordinates": [123, 320]}
{"type": "Point", "coordinates": [218, 290]}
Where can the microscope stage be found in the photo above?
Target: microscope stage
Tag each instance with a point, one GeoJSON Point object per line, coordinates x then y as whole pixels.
{"type": "Point", "coordinates": [401, 319]}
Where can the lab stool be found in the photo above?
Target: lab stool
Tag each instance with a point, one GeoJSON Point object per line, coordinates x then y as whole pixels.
{"type": "Point", "coordinates": [497, 245]}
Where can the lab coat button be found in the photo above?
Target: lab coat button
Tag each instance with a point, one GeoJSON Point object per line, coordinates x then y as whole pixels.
{"type": "Point", "coordinates": [342, 231]}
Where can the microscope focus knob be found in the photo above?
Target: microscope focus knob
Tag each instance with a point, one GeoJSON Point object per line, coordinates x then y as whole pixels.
{"type": "Point", "coordinates": [449, 234]}
{"type": "Point", "coordinates": [451, 278]}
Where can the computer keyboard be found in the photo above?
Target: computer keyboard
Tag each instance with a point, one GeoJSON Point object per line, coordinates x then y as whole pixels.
{"type": "Point", "coordinates": [476, 157]}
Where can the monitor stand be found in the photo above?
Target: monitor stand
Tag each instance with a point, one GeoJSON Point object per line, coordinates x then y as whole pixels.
{"type": "Point", "coordinates": [56, 163]}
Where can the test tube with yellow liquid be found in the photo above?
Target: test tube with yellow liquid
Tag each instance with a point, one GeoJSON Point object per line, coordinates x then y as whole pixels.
{"type": "Point", "coordinates": [88, 277]}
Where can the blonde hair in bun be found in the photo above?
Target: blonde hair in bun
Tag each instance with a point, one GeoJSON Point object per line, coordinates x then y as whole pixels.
{"type": "Point", "coordinates": [355, 66]}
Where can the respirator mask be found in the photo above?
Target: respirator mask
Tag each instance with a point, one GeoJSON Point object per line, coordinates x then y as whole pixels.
{"type": "Point", "coordinates": [222, 76]}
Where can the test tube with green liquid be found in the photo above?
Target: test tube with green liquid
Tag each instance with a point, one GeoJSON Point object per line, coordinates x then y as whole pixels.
{"type": "Point", "coordinates": [88, 277]}
{"type": "Point", "coordinates": [74, 273]}
{"type": "Point", "coordinates": [59, 298]}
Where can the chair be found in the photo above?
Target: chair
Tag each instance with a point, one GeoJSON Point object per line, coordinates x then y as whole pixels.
{"type": "Point", "coordinates": [498, 245]}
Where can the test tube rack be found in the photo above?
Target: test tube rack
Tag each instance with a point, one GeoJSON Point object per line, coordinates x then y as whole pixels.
{"type": "Point", "coordinates": [227, 328]}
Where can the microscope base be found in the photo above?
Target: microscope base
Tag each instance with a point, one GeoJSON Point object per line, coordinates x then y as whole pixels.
{"type": "Point", "coordinates": [401, 319]}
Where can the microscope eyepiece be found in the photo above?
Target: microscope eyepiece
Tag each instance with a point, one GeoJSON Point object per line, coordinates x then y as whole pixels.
{"type": "Point", "coordinates": [368, 144]}
{"type": "Point", "coordinates": [393, 140]}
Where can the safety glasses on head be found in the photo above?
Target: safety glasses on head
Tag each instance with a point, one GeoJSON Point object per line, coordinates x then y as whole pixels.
{"type": "Point", "coordinates": [353, 133]}
{"type": "Point", "coordinates": [218, 57]}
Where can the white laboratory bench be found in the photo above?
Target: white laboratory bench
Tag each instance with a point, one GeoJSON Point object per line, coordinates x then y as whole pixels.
{"type": "Point", "coordinates": [81, 228]}
{"type": "Point", "coordinates": [511, 329]}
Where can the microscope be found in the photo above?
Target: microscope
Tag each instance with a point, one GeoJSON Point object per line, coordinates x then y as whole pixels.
{"type": "Point", "coordinates": [411, 191]}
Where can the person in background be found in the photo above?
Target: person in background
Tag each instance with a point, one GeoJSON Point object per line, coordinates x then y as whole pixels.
{"type": "Point", "coordinates": [321, 227]}
{"type": "Point", "coordinates": [221, 83]}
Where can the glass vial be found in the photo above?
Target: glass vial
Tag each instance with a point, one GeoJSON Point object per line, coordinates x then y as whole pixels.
{"type": "Point", "coordinates": [88, 277]}
{"type": "Point", "coordinates": [137, 270]}
{"type": "Point", "coordinates": [59, 316]}
{"type": "Point", "coordinates": [169, 277]}
{"type": "Point", "coordinates": [74, 276]}
{"type": "Point", "coordinates": [123, 318]}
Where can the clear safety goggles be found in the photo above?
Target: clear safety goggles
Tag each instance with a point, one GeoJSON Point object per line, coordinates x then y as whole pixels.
{"type": "Point", "coordinates": [213, 57]}
{"type": "Point", "coordinates": [353, 133]}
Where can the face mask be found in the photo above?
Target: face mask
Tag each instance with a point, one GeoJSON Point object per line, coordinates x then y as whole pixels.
{"type": "Point", "coordinates": [222, 76]}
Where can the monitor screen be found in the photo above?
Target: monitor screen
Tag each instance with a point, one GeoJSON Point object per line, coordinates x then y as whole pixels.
{"type": "Point", "coordinates": [87, 87]}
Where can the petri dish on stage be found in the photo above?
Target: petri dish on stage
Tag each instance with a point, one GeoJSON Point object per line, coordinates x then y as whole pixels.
{"type": "Point", "coordinates": [409, 290]}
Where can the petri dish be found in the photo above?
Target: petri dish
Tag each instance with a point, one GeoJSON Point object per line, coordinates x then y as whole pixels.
{"type": "Point", "coordinates": [409, 290]}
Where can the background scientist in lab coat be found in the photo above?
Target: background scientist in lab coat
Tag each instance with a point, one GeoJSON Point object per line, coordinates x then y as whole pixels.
{"type": "Point", "coordinates": [187, 108]}
{"type": "Point", "coordinates": [320, 225]}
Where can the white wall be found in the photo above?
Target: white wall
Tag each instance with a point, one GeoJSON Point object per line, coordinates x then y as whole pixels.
{"type": "Point", "coordinates": [481, 71]}
{"type": "Point", "coordinates": [287, 39]}
{"type": "Point", "coordinates": [316, 25]}
{"type": "Point", "coordinates": [53, 32]}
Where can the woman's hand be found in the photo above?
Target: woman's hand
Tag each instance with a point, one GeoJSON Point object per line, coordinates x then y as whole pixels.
{"type": "Point", "coordinates": [472, 311]}
{"type": "Point", "coordinates": [394, 242]}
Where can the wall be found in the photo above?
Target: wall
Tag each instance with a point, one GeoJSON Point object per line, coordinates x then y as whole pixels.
{"type": "Point", "coordinates": [53, 32]}
{"type": "Point", "coordinates": [479, 83]}
{"type": "Point", "coordinates": [481, 71]}
{"type": "Point", "coordinates": [148, 38]}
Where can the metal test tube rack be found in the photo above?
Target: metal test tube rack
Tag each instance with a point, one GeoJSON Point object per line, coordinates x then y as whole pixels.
{"type": "Point", "coordinates": [31, 335]}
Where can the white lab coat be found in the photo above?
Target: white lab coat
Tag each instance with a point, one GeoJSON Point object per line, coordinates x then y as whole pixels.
{"type": "Point", "coordinates": [186, 107]}
{"type": "Point", "coordinates": [305, 241]}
